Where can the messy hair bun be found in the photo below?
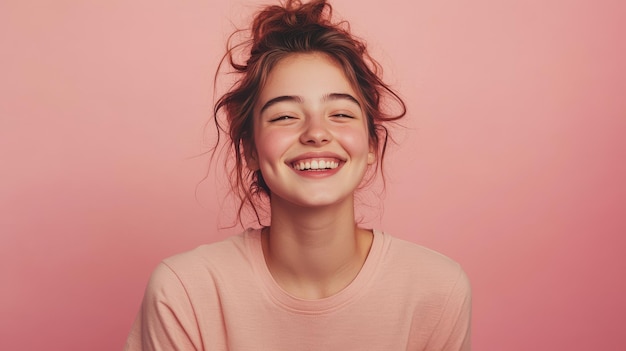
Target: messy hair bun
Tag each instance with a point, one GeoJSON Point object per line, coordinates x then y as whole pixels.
{"type": "Point", "coordinates": [278, 31]}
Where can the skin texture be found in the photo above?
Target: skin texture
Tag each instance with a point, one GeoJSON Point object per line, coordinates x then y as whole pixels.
{"type": "Point", "coordinates": [308, 111]}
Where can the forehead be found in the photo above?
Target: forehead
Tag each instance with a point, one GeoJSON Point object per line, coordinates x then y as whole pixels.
{"type": "Point", "coordinates": [307, 75]}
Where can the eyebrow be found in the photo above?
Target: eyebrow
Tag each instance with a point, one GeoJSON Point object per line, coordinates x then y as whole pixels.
{"type": "Point", "coordinates": [340, 96]}
{"type": "Point", "coordinates": [299, 99]}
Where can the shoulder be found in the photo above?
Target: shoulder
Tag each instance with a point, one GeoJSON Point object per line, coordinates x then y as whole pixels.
{"type": "Point", "coordinates": [414, 254]}
{"type": "Point", "coordinates": [419, 264]}
{"type": "Point", "coordinates": [169, 317]}
{"type": "Point", "coordinates": [212, 255]}
{"type": "Point", "coordinates": [203, 266]}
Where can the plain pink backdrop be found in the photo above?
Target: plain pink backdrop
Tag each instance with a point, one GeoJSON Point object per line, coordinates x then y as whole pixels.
{"type": "Point", "coordinates": [512, 162]}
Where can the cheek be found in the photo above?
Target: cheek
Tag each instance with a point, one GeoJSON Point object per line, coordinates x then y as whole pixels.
{"type": "Point", "coordinates": [355, 141]}
{"type": "Point", "coordinates": [271, 145]}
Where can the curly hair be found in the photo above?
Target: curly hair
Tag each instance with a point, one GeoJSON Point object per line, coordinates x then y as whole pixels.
{"type": "Point", "coordinates": [277, 32]}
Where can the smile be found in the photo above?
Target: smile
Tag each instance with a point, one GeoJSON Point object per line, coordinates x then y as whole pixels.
{"type": "Point", "coordinates": [315, 164]}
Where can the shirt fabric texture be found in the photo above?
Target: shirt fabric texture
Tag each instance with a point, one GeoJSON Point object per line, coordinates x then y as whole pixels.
{"type": "Point", "coordinates": [222, 297]}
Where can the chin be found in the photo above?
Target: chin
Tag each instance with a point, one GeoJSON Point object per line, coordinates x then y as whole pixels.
{"type": "Point", "coordinates": [307, 201]}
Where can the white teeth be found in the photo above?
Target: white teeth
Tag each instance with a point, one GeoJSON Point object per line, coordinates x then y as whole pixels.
{"type": "Point", "coordinates": [315, 165]}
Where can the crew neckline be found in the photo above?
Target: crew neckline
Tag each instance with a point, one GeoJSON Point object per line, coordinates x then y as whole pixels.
{"type": "Point", "coordinates": [329, 304]}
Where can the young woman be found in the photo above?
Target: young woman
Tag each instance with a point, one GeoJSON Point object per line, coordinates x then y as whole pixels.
{"type": "Point", "coordinates": [305, 126]}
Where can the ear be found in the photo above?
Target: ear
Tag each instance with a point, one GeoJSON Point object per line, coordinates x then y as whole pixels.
{"type": "Point", "coordinates": [371, 156]}
{"type": "Point", "coordinates": [252, 161]}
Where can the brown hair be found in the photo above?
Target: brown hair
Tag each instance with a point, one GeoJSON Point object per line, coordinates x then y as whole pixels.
{"type": "Point", "coordinates": [277, 32]}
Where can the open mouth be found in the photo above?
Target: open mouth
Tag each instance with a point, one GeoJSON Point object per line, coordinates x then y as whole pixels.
{"type": "Point", "coordinates": [315, 164]}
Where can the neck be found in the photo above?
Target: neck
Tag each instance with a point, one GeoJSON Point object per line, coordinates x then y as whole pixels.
{"type": "Point", "coordinates": [314, 253]}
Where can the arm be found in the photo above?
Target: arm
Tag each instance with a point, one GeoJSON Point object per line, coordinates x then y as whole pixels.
{"type": "Point", "coordinates": [453, 332]}
{"type": "Point", "coordinates": [166, 320]}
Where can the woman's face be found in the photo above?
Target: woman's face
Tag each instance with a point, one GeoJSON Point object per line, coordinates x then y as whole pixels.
{"type": "Point", "coordinates": [311, 137]}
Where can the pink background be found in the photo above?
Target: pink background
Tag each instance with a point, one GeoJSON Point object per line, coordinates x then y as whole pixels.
{"type": "Point", "coordinates": [512, 161]}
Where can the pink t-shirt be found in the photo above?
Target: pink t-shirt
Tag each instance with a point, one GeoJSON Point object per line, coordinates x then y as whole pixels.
{"type": "Point", "coordinates": [223, 297]}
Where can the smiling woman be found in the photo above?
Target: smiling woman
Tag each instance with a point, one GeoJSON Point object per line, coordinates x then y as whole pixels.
{"type": "Point", "coordinates": [305, 124]}
{"type": "Point", "coordinates": [311, 117]}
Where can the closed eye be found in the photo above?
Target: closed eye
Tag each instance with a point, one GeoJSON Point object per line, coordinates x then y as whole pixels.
{"type": "Point", "coordinates": [342, 115]}
{"type": "Point", "coordinates": [281, 118]}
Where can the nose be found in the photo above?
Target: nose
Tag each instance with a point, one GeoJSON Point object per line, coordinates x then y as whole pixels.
{"type": "Point", "coordinates": [315, 131]}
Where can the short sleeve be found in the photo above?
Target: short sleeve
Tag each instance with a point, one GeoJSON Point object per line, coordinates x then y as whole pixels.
{"type": "Point", "coordinates": [453, 332]}
{"type": "Point", "coordinates": [166, 320]}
